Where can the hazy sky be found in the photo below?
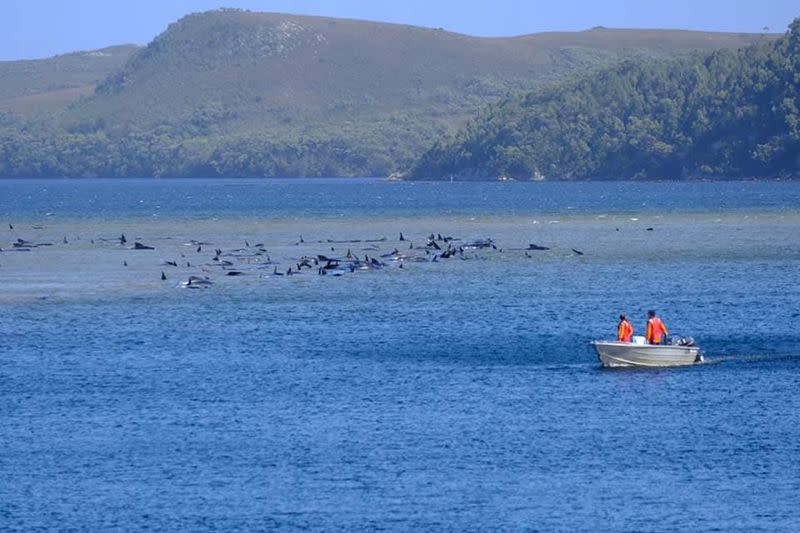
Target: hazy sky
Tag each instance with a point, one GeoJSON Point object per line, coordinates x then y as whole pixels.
{"type": "Point", "coordinates": [41, 28]}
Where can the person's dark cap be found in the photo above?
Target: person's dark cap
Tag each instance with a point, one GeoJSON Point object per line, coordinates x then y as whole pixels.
{"type": "Point", "coordinates": [651, 313]}
{"type": "Point", "coordinates": [622, 316]}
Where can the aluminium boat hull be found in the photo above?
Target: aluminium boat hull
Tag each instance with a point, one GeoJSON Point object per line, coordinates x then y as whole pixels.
{"type": "Point", "coordinates": [626, 354]}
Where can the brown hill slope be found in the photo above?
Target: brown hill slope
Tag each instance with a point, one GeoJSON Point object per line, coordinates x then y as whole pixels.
{"type": "Point", "coordinates": [47, 84]}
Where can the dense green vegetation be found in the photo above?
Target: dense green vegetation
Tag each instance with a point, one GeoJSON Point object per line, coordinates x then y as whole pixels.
{"type": "Point", "coordinates": [233, 93]}
{"type": "Point", "coordinates": [730, 113]}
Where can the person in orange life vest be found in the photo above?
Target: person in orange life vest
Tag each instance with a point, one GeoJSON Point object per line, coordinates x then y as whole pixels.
{"type": "Point", "coordinates": [656, 329]}
{"type": "Point", "coordinates": [624, 329]}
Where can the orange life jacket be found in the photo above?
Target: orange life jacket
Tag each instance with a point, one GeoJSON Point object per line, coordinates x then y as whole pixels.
{"type": "Point", "coordinates": [655, 329]}
{"type": "Point", "coordinates": [625, 331]}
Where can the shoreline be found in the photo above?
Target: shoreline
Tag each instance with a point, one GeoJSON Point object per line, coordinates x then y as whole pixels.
{"type": "Point", "coordinates": [390, 179]}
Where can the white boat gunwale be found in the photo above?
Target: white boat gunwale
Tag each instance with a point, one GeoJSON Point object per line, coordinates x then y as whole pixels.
{"type": "Point", "coordinates": [617, 354]}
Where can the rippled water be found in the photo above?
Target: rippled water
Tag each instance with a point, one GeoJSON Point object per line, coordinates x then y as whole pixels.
{"type": "Point", "coordinates": [460, 394]}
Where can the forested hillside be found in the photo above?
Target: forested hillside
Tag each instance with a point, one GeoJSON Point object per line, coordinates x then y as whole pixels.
{"type": "Point", "coordinates": [234, 93]}
{"type": "Point", "coordinates": [729, 113]}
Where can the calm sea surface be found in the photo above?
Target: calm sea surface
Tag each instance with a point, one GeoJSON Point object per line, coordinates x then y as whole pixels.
{"type": "Point", "coordinates": [456, 394]}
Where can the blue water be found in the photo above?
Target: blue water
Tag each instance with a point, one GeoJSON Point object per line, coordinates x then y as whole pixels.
{"type": "Point", "coordinates": [458, 395]}
{"type": "Point", "coordinates": [300, 198]}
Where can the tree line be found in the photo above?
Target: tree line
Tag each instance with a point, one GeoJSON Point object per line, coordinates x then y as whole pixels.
{"type": "Point", "coordinates": [41, 148]}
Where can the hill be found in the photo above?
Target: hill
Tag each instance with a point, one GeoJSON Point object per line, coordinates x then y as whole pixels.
{"type": "Point", "coordinates": [258, 66]}
{"type": "Point", "coordinates": [49, 84]}
{"type": "Point", "coordinates": [231, 92]}
{"type": "Point", "coordinates": [730, 113]}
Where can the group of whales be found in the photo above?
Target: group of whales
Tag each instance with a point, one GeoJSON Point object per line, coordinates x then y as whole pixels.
{"type": "Point", "coordinates": [255, 259]}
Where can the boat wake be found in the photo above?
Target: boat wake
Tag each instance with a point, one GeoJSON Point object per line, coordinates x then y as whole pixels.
{"type": "Point", "coordinates": [748, 358]}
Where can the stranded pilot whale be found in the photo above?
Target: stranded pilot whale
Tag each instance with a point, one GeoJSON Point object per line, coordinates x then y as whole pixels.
{"type": "Point", "coordinates": [196, 282]}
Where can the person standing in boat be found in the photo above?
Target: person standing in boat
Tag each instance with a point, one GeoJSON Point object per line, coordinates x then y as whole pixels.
{"type": "Point", "coordinates": [624, 329]}
{"type": "Point", "coordinates": [656, 330]}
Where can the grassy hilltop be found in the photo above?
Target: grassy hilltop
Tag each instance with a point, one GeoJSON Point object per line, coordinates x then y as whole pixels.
{"type": "Point", "coordinates": [42, 85]}
{"type": "Point", "coordinates": [236, 93]}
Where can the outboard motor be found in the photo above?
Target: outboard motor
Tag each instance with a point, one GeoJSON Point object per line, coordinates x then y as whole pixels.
{"type": "Point", "coordinates": [675, 340]}
{"type": "Point", "coordinates": [687, 341]}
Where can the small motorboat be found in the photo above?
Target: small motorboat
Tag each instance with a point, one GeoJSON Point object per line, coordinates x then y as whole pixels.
{"type": "Point", "coordinates": [679, 352]}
